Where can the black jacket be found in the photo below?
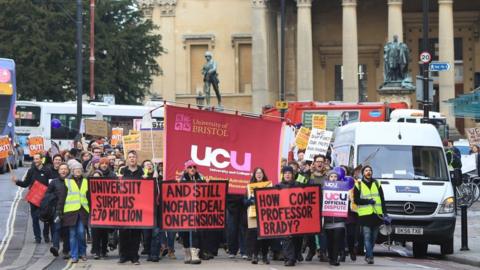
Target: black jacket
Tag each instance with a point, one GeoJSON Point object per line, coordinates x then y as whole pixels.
{"type": "Point", "coordinates": [42, 175]}
{"type": "Point", "coordinates": [108, 174]}
{"type": "Point", "coordinates": [128, 174]}
{"type": "Point", "coordinates": [57, 187]}
{"type": "Point", "coordinates": [373, 219]}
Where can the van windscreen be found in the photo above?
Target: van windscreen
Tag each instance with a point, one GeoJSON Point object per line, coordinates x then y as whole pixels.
{"type": "Point", "coordinates": [404, 162]}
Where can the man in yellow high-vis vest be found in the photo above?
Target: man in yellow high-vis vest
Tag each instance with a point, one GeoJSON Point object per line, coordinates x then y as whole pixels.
{"type": "Point", "coordinates": [75, 212]}
{"type": "Point", "coordinates": [368, 196]}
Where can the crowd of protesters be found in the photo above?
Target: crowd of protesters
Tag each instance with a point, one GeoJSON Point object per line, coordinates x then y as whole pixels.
{"type": "Point", "coordinates": [66, 174]}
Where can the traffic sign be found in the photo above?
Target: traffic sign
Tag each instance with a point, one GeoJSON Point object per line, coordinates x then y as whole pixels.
{"type": "Point", "coordinates": [281, 105]}
{"type": "Point", "coordinates": [425, 57]}
{"type": "Point", "coordinates": [439, 66]}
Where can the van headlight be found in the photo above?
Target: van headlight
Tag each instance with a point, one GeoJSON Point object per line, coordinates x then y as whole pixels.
{"type": "Point", "coordinates": [448, 206]}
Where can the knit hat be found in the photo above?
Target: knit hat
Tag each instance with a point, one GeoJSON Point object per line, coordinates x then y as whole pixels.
{"type": "Point", "coordinates": [104, 160]}
{"type": "Point", "coordinates": [95, 160]}
{"type": "Point", "coordinates": [330, 173]}
{"type": "Point", "coordinates": [366, 166]}
{"type": "Point", "coordinates": [189, 163]}
{"type": "Point", "coordinates": [287, 169]}
{"type": "Point", "coordinates": [75, 165]}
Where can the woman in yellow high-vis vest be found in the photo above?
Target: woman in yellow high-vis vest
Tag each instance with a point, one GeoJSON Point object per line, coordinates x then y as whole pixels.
{"type": "Point", "coordinates": [368, 196]}
{"type": "Point", "coordinates": [76, 211]}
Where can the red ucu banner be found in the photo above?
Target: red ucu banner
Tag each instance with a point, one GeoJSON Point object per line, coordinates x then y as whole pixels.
{"type": "Point", "coordinates": [223, 146]}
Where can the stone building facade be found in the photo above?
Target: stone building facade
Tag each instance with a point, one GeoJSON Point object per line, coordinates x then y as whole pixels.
{"type": "Point", "coordinates": [334, 48]}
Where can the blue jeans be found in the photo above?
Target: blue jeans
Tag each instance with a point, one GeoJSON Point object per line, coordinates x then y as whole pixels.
{"type": "Point", "coordinates": [36, 224]}
{"type": "Point", "coordinates": [57, 230]}
{"type": "Point", "coordinates": [167, 239]}
{"type": "Point", "coordinates": [236, 227]}
{"type": "Point", "coordinates": [321, 241]}
{"type": "Point", "coordinates": [156, 243]}
{"type": "Point", "coordinates": [78, 246]}
{"type": "Point", "coordinates": [370, 236]}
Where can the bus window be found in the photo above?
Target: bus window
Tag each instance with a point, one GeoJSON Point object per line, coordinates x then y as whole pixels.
{"type": "Point", "coordinates": [27, 116]}
{"type": "Point", "coordinates": [411, 120]}
{"type": "Point", "coordinates": [401, 120]}
{"type": "Point", "coordinates": [68, 129]}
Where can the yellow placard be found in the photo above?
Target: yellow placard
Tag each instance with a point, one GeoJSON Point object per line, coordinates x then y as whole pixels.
{"type": "Point", "coordinates": [131, 142]}
{"type": "Point", "coordinates": [251, 187]}
{"type": "Point", "coordinates": [319, 121]}
{"type": "Point", "coordinates": [133, 132]}
{"type": "Point", "coordinates": [301, 140]}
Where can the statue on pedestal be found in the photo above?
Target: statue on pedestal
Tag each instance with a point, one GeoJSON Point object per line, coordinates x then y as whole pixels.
{"type": "Point", "coordinates": [210, 78]}
{"type": "Point", "coordinates": [396, 58]}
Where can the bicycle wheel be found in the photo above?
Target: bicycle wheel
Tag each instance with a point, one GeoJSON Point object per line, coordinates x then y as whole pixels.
{"type": "Point", "coordinates": [476, 192]}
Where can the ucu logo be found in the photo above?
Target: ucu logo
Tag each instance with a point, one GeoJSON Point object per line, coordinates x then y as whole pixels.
{"type": "Point", "coordinates": [336, 196]}
{"type": "Point", "coordinates": [330, 185]}
{"type": "Point", "coordinates": [211, 158]}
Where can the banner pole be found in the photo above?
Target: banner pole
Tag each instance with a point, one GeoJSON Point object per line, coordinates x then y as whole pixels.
{"type": "Point", "coordinates": [12, 173]}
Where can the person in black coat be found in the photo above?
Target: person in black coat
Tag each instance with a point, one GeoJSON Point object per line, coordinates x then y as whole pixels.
{"type": "Point", "coordinates": [292, 245]}
{"type": "Point", "coordinates": [38, 172]}
{"type": "Point", "coordinates": [57, 187]}
{"type": "Point", "coordinates": [129, 239]}
{"type": "Point", "coordinates": [56, 161]}
{"type": "Point", "coordinates": [100, 235]}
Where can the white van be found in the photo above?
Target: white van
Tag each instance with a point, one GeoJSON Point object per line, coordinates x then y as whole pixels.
{"type": "Point", "coordinates": [409, 161]}
{"type": "Point", "coordinates": [416, 116]}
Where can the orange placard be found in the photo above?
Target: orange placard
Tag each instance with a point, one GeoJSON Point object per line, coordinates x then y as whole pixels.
{"type": "Point", "coordinates": [319, 121]}
{"type": "Point", "coordinates": [117, 135]}
{"type": "Point", "coordinates": [36, 145]}
{"type": "Point", "coordinates": [36, 193]}
{"type": "Point", "coordinates": [5, 146]}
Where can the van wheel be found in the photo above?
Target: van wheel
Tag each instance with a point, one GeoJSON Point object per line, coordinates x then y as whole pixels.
{"type": "Point", "coordinates": [447, 247]}
{"type": "Point", "coordinates": [420, 249]}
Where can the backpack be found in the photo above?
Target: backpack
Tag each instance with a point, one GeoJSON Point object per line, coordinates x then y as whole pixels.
{"type": "Point", "coordinates": [46, 212]}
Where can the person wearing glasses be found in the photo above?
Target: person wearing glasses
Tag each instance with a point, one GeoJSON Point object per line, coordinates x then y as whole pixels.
{"type": "Point", "coordinates": [191, 243]}
{"type": "Point", "coordinates": [317, 177]}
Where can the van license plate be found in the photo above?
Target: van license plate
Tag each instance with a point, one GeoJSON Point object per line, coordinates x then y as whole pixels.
{"type": "Point", "coordinates": [409, 230]}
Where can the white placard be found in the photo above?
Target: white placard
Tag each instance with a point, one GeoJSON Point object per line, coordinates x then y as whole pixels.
{"type": "Point", "coordinates": [318, 143]}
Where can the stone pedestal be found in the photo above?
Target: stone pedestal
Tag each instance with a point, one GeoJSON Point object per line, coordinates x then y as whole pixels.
{"type": "Point", "coordinates": [394, 92]}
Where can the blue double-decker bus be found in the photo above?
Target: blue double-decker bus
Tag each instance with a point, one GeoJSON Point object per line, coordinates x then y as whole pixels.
{"type": "Point", "coordinates": [8, 94]}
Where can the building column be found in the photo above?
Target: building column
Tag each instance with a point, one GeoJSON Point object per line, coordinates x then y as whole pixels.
{"type": "Point", "coordinates": [350, 51]}
{"type": "Point", "coordinates": [395, 20]}
{"type": "Point", "coordinates": [260, 78]}
{"type": "Point", "coordinates": [446, 54]}
{"type": "Point", "coordinates": [304, 51]}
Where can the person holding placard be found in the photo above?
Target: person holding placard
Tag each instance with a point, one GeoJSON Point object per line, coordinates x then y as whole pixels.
{"type": "Point", "coordinates": [292, 245]}
{"type": "Point", "coordinates": [191, 240]}
{"type": "Point", "coordinates": [254, 245]}
{"type": "Point", "coordinates": [334, 229]}
{"type": "Point", "coordinates": [38, 172]}
{"type": "Point", "coordinates": [130, 238]}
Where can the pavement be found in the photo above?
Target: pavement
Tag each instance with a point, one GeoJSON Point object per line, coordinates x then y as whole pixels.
{"type": "Point", "coordinates": [472, 256]}
{"type": "Point", "coordinates": [19, 251]}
